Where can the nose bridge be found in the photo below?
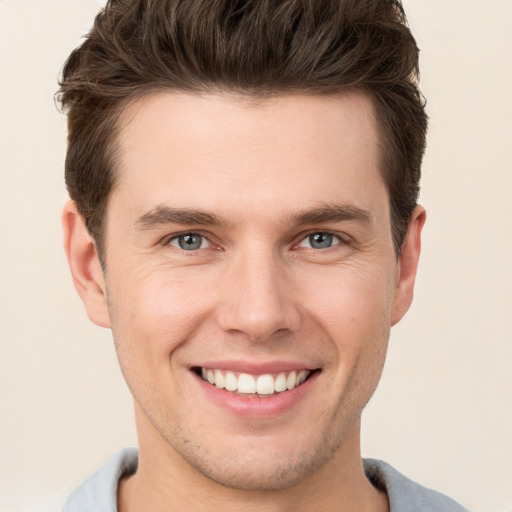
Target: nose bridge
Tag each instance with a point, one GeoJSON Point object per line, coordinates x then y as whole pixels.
{"type": "Point", "coordinates": [258, 299]}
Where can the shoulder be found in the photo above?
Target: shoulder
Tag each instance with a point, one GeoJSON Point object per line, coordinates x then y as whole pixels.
{"type": "Point", "coordinates": [404, 494]}
{"type": "Point", "coordinates": [99, 491]}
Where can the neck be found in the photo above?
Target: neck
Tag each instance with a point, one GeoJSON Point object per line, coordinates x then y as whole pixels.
{"type": "Point", "coordinates": [164, 481]}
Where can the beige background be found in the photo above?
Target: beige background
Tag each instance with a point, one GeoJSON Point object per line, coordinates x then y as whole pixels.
{"type": "Point", "coordinates": [443, 413]}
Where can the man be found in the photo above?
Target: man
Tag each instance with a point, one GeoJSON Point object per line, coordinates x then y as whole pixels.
{"type": "Point", "coordinates": [243, 179]}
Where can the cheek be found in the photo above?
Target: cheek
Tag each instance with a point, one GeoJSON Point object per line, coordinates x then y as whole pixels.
{"type": "Point", "coordinates": [155, 314]}
{"type": "Point", "coordinates": [352, 303]}
{"type": "Point", "coordinates": [151, 319]}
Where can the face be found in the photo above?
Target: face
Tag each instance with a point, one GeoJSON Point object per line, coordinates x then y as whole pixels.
{"type": "Point", "coordinates": [251, 280]}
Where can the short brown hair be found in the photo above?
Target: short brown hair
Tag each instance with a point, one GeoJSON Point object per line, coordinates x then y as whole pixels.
{"type": "Point", "coordinates": [259, 48]}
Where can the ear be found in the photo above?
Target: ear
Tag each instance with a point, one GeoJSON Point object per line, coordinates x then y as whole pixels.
{"type": "Point", "coordinates": [85, 265]}
{"type": "Point", "coordinates": [407, 265]}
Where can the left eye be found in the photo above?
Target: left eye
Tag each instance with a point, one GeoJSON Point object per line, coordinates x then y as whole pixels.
{"type": "Point", "coordinates": [320, 240]}
{"type": "Point", "coordinates": [189, 241]}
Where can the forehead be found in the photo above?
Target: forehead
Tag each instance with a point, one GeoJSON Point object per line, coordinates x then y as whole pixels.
{"type": "Point", "coordinates": [182, 148]}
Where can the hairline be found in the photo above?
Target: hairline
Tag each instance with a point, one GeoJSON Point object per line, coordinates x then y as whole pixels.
{"type": "Point", "coordinates": [125, 110]}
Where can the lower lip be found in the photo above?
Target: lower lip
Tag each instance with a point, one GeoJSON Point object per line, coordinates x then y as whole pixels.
{"type": "Point", "coordinates": [250, 406]}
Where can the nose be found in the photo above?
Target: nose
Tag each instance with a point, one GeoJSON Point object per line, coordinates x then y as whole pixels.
{"type": "Point", "coordinates": [258, 299]}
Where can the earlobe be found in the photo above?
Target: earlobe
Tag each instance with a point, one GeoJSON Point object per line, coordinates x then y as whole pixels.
{"type": "Point", "coordinates": [85, 265]}
{"type": "Point", "coordinates": [408, 265]}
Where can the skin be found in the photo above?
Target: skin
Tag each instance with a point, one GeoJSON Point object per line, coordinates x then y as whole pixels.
{"type": "Point", "coordinates": [256, 291]}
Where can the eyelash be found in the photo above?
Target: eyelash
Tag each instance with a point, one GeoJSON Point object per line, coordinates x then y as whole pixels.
{"type": "Point", "coordinates": [342, 239]}
{"type": "Point", "coordinates": [176, 236]}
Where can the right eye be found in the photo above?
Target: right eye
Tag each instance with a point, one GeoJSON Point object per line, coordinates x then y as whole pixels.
{"type": "Point", "coordinates": [189, 241]}
{"type": "Point", "coordinates": [320, 240]}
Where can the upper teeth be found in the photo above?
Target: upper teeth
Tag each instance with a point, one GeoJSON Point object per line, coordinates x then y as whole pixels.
{"type": "Point", "coordinates": [265, 384]}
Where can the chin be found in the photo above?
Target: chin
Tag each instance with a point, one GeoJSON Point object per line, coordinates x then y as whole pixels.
{"type": "Point", "coordinates": [252, 468]}
{"type": "Point", "coordinates": [269, 475]}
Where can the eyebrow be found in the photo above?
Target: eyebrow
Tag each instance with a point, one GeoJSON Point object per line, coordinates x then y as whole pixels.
{"type": "Point", "coordinates": [332, 213]}
{"type": "Point", "coordinates": [162, 215]}
{"type": "Point", "coordinates": [166, 215]}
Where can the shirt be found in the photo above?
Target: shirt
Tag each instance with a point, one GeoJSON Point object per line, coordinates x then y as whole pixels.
{"type": "Point", "coordinates": [99, 492]}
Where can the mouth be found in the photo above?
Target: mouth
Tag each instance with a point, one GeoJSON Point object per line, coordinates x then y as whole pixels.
{"type": "Point", "coordinates": [257, 386]}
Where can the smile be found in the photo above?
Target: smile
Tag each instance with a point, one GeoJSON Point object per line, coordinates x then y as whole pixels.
{"type": "Point", "coordinates": [246, 384]}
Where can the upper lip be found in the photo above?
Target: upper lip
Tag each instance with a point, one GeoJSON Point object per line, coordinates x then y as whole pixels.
{"type": "Point", "coordinates": [254, 368]}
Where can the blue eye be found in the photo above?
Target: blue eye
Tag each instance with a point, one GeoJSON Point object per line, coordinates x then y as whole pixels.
{"type": "Point", "coordinates": [320, 240]}
{"type": "Point", "coordinates": [189, 241]}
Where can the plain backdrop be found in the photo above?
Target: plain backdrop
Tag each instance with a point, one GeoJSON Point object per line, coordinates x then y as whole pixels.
{"type": "Point", "coordinates": [443, 412]}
